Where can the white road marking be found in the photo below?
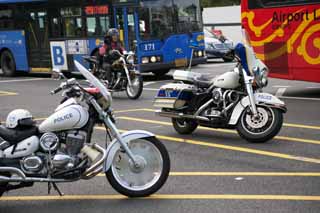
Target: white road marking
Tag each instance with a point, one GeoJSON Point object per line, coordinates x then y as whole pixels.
{"type": "Point", "coordinates": [313, 87]}
{"type": "Point", "coordinates": [149, 83]}
{"type": "Point", "coordinates": [24, 80]}
{"type": "Point", "coordinates": [279, 86]}
{"type": "Point", "coordinates": [150, 89]}
{"type": "Point", "coordinates": [299, 98]}
{"type": "Point", "coordinates": [280, 92]}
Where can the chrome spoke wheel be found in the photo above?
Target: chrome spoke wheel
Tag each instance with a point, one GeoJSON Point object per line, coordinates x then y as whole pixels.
{"type": "Point", "coordinates": [146, 172]}
{"type": "Point", "coordinates": [134, 91]}
{"type": "Point", "coordinates": [260, 124]}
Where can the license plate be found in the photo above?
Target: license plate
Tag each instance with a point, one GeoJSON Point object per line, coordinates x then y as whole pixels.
{"type": "Point", "coordinates": [180, 62]}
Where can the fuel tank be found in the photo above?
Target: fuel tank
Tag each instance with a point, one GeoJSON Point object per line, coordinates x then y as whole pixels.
{"type": "Point", "coordinates": [66, 117]}
{"type": "Point", "coordinates": [228, 80]}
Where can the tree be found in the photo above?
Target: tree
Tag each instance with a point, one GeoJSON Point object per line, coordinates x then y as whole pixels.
{"type": "Point", "coordinates": [219, 3]}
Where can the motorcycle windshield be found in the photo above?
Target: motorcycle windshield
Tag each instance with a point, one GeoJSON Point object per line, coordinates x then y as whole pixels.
{"type": "Point", "coordinates": [246, 53]}
{"type": "Point", "coordinates": [94, 81]}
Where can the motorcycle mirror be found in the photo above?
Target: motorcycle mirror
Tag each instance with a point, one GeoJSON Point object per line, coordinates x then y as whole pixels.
{"type": "Point", "coordinates": [57, 74]}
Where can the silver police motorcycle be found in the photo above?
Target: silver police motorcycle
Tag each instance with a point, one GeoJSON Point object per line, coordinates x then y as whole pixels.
{"type": "Point", "coordinates": [233, 100]}
{"type": "Point", "coordinates": [59, 150]}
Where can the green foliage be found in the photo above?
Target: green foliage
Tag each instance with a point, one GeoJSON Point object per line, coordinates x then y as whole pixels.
{"type": "Point", "coordinates": [217, 3]}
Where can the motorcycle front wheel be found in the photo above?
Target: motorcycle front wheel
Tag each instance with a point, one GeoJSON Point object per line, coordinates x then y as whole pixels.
{"type": "Point", "coordinates": [135, 91]}
{"type": "Point", "coordinates": [260, 129]}
{"type": "Point", "coordinates": [148, 177]}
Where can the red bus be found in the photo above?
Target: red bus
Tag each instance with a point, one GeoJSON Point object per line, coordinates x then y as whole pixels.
{"type": "Point", "coordinates": [286, 36]}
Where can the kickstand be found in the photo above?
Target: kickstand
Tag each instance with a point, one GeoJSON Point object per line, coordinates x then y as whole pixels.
{"type": "Point", "coordinates": [55, 188]}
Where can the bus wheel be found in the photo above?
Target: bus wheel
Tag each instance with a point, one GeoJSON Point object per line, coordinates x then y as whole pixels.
{"type": "Point", "coordinates": [8, 64]}
{"type": "Point", "coordinates": [160, 73]}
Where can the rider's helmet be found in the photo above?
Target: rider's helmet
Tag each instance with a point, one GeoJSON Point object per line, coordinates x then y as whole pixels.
{"type": "Point", "coordinates": [113, 32]}
{"type": "Point", "coordinates": [19, 118]}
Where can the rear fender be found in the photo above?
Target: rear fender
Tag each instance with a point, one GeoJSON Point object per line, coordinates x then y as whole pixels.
{"type": "Point", "coordinates": [126, 137]}
{"type": "Point", "coordinates": [262, 99]}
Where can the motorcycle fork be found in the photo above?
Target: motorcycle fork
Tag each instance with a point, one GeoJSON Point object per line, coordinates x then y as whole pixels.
{"type": "Point", "coordinates": [248, 82]}
{"type": "Point", "coordinates": [128, 75]}
{"type": "Point", "coordinates": [114, 130]}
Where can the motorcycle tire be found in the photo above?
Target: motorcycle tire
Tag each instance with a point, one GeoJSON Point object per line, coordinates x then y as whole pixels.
{"type": "Point", "coordinates": [183, 126]}
{"type": "Point", "coordinates": [139, 88]}
{"type": "Point", "coordinates": [127, 179]}
{"type": "Point", "coordinates": [262, 130]}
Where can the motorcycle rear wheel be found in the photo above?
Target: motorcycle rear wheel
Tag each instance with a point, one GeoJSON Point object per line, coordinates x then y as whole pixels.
{"type": "Point", "coordinates": [262, 129]}
{"type": "Point", "coordinates": [145, 180]}
{"type": "Point", "coordinates": [135, 91]}
{"type": "Point", "coordinates": [183, 126]}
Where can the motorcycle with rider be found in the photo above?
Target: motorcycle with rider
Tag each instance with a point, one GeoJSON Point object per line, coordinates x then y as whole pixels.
{"type": "Point", "coordinates": [116, 66]}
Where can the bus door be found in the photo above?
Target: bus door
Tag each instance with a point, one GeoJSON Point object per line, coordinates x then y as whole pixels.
{"type": "Point", "coordinates": [37, 34]}
{"type": "Point", "coordinates": [125, 20]}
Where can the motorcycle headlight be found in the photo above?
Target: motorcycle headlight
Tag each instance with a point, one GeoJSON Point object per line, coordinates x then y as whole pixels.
{"type": "Point", "coordinates": [130, 59]}
{"type": "Point", "coordinates": [264, 77]}
{"type": "Point", "coordinates": [261, 77]}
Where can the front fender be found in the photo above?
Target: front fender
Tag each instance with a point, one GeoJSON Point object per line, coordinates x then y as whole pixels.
{"type": "Point", "coordinates": [126, 137]}
{"type": "Point", "coordinates": [262, 99]}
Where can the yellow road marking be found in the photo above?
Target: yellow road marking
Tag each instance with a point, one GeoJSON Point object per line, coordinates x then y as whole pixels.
{"type": "Point", "coordinates": [261, 174]}
{"type": "Point", "coordinates": [5, 93]}
{"type": "Point", "coordinates": [40, 70]}
{"type": "Point", "coordinates": [128, 110]}
{"type": "Point", "coordinates": [302, 140]}
{"type": "Point", "coordinates": [166, 197]}
{"type": "Point", "coordinates": [284, 124]}
{"type": "Point", "coordinates": [234, 148]}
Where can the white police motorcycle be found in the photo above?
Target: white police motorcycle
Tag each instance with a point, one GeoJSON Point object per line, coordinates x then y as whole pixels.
{"type": "Point", "coordinates": [59, 150]}
{"type": "Point", "coordinates": [233, 100]}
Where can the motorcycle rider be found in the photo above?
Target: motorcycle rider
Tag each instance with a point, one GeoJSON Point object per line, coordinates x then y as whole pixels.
{"type": "Point", "coordinates": [106, 55]}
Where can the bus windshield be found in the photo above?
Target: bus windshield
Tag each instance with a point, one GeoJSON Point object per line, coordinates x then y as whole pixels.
{"type": "Point", "coordinates": [161, 18]}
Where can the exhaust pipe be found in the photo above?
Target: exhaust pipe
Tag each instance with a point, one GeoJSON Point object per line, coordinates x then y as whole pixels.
{"type": "Point", "coordinates": [19, 176]}
{"type": "Point", "coordinates": [96, 168]}
{"type": "Point", "coordinates": [180, 115]}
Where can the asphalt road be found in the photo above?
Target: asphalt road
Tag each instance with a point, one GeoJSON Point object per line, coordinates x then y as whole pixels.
{"type": "Point", "coordinates": [212, 170]}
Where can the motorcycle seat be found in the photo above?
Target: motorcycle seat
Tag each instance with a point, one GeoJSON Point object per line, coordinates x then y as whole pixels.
{"type": "Point", "coordinates": [203, 82]}
{"type": "Point", "coordinates": [14, 136]}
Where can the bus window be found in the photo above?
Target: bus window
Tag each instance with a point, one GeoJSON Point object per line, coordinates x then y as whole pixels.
{"type": "Point", "coordinates": [187, 16]}
{"type": "Point", "coordinates": [97, 26]}
{"type": "Point", "coordinates": [131, 29]}
{"type": "Point", "coordinates": [156, 19]}
{"type": "Point", "coordinates": [72, 22]}
{"type": "Point", "coordinates": [55, 28]}
{"type": "Point", "coordinates": [6, 21]}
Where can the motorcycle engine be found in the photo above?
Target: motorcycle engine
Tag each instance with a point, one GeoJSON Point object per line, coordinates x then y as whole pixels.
{"type": "Point", "coordinates": [67, 156]}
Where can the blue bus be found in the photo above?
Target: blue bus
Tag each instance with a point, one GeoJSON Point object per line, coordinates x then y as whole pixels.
{"type": "Point", "coordinates": [39, 35]}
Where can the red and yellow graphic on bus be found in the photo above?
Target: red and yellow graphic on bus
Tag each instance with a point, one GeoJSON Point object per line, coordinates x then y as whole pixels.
{"type": "Point", "coordinates": [287, 39]}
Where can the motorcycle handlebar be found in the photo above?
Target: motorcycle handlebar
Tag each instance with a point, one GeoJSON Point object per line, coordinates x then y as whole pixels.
{"type": "Point", "coordinates": [56, 90]}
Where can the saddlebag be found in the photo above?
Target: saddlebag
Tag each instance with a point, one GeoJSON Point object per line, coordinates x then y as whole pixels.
{"type": "Point", "coordinates": [174, 95]}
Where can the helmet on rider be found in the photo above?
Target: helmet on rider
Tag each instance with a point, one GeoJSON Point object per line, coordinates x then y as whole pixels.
{"type": "Point", "coordinates": [19, 117]}
{"type": "Point", "coordinates": [113, 33]}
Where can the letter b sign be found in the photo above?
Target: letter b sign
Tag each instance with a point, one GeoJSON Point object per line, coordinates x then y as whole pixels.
{"type": "Point", "coordinates": [58, 55]}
